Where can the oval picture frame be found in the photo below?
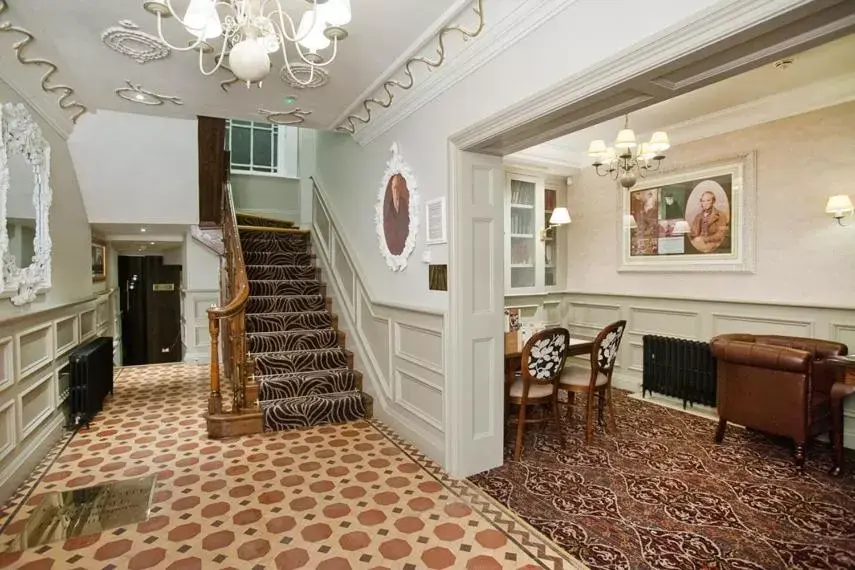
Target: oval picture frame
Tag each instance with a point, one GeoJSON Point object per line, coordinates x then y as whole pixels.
{"type": "Point", "coordinates": [397, 211]}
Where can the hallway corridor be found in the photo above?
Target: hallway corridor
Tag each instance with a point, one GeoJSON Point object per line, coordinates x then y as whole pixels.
{"type": "Point", "coordinates": [334, 497]}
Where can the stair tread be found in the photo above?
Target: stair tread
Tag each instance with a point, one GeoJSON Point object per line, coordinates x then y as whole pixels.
{"type": "Point", "coordinates": [291, 332]}
{"type": "Point", "coordinates": [271, 377]}
{"type": "Point", "coordinates": [332, 348]}
{"type": "Point", "coordinates": [331, 396]}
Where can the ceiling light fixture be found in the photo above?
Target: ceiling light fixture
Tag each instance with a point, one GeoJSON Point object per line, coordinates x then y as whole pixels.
{"type": "Point", "coordinates": [254, 29]}
{"type": "Point", "coordinates": [142, 229]}
{"type": "Point", "coordinates": [627, 160]}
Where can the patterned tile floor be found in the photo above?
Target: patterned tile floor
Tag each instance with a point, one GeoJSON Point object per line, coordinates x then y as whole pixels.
{"type": "Point", "coordinates": [659, 493]}
{"type": "Point", "coordinates": [336, 497]}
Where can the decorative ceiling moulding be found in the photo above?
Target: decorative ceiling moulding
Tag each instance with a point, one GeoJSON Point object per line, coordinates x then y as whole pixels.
{"type": "Point", "coordinates": [294, 117]}
{"type": "Point", "coordinates": [498, 35]}
{"type": "Point", "coordinates": [127, 39]}
{"type": "Point", "coordinates": [319, 76]}
{"type": "Point", "coordinates": [714, 25]}
{"type": "Point", "coordinates": [349, 124]}
{"type": "Point", "coordinates": [136, 94]}
{"type": "Point", "coordinates": [71, 109]}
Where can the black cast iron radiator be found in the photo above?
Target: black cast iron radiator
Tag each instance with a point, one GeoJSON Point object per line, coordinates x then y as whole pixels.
{"type": "Point", "coordinates": [679, 368]}
{"type": "Point", "coordinates": [90, 379]}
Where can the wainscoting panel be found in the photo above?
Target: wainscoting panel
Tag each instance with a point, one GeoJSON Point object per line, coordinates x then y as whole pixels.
{"type": "Point", "coordinates": [398, 349]}
{"type": "Point", "coordinates": [729, 323]}
{"type": "Point", "coordinates": [66, 334]}
{"type": "Point", "coordinates": [194, 332]}
{"type": "Point", "coordinates": [701, 319]}
{"type": "Point", "coordinates": [7, 363]}
{"type": "Point", "coordinates": [87, 324]}
{"type": "Point", "coordinates": [36, 348]}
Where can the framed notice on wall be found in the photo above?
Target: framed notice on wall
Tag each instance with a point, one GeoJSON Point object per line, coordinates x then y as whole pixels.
{"type": "Point", "coordinates": [435, 227]}
{"type": "Point", "coordinates": [692, 219]}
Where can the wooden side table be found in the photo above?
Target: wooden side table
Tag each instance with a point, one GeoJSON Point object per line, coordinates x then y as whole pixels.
{"type": "Point", "coordinates": [839, 391]}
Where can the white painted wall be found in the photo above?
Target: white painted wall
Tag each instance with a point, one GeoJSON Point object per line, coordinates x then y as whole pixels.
{"type": "Point", "coordinates": [267, 196]}
{"type": "Point", "coordinates": [69, 229]}
{"type": "Point", "coordinates": [574, 39]}
{"type": "Point", "coordinates": [137, 169]}
{"type": "Point", "coordinates": [200, 289]}
{"type": "Point", "coordinates": [803, 256]}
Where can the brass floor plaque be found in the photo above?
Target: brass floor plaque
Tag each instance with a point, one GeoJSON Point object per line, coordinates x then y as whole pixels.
{"type": "Point", "coordinates": [90, 510]}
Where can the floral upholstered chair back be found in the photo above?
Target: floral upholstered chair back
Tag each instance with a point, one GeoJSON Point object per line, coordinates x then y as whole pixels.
{"type": "Point", "coordinates": [544, 354]}
{"type": "Point", "coordinates": [606, 347]}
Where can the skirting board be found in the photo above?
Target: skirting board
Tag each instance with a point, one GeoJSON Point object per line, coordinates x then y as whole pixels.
{"type": "Point", "coordinates": [14, 474]}
{"type": "Point", "coordinates": [197, 356]}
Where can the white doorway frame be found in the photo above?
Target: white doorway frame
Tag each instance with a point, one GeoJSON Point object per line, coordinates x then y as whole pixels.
{"type": "Point", "coordinates": [468, 452]}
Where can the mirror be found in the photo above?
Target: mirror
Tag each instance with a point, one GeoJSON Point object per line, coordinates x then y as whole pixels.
{"type": "Point", "coordinates": [25, 192]}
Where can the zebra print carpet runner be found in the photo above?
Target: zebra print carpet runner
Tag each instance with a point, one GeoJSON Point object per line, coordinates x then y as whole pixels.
{"type": "Point", "coordinates": [304, 373]}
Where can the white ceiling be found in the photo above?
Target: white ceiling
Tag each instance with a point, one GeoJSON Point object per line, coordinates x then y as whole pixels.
{"type": "Point", "coordinates": [821, 66]}
{"type": "Point", "coordinates": [380, 32]}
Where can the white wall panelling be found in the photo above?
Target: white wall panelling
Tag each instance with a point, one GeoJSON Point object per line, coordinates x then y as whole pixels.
{"type": "Point", "coordinates": [702, 319]}
{"type": "Point", "coordinates": [35, 403]}
{"type": "Point", "coordinates": [7, 363]}
{"type": "Point", "coordinates": [87, 324]}
{"type": "Point", "coordinates": [30, 395]}
{"type": "Point", "coordinates": [34, 348]}
{"type": "Point", "coordinates": [197, 339]}
{"type": "Point", "coordinates": [66, 333]}
{"type": "Point", "coordinates": [398, 349]}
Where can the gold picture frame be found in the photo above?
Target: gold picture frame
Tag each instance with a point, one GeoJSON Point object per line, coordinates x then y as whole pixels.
{"type": "Point", "coordinates": [99, 260]}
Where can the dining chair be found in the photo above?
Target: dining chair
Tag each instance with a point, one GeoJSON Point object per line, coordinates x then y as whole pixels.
{"type": "Point", "coordinates": [542, 361]}
{"type": "Point", "coordinates": [596, 382]}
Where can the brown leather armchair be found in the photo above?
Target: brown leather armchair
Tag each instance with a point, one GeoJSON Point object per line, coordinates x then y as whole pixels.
{"type": "Point", "coordinates": [775, 384]}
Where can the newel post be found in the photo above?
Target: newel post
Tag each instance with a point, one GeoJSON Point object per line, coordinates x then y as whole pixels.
{"type": "Point", "coordinates": [215, 400]}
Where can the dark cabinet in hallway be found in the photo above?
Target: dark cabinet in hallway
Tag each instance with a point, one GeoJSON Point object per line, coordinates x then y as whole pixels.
{"type": "Point", "coordinates": [151, 310]}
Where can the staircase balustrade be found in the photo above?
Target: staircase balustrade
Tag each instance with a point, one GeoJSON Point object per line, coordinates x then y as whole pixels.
{"type": "Point", "coordinates": [230, 317]}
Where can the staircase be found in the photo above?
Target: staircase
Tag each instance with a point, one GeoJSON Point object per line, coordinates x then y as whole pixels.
{"type": "Point", "coordinates": [303, 374]}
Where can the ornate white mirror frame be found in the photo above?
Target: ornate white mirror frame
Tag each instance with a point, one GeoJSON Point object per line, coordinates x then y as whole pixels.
{"type": "Point", "coordinates": [397, 252]}
{"type": "Point", "coordinates": [22, 135]}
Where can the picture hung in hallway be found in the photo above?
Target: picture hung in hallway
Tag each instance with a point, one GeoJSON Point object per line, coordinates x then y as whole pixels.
{"type": "Point", "coordinates": [397, 211]}
{"type": "Point", "coordinates": [691, 220]}
{"type": "Point", "coordinates": [99, 260]}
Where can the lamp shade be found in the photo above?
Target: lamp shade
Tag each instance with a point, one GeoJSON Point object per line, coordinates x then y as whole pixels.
{"type": "Point", "coordinates": [645, 152]}
{"type": "Point", "coordinates": [202, 20]}
{"type": "Point", "coordinates": [626, 139]}
{"type": "Point", "coordinates": [659, 142]}
{"type": "Point", "coordinates": [311, 31]}
{"type": "Point", "coordinates": [597, 148]}
{"type": "Point", "coordinates": [839, 206]}
{"type": "Point", "coordinates": [559, 217]}
{"type": "Point", "coordinates": [336, 12]}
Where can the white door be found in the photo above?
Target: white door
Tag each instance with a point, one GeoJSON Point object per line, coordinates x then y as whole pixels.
{"type": "Point", "coordinates": [475, 383]}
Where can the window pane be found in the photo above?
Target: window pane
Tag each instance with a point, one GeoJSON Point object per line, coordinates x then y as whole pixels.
{"type": "Point", "coordinates": [275, 161]}
{"type": "Point", "coordinates": [262, 148]}
{"type": "Point", "coordinates": [240, 146]}
{"type": "Point", "coordinates": [241, 123]}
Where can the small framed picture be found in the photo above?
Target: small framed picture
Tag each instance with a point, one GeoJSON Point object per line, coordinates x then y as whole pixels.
{"type": "Point", "coordinates": [435, 226]}
{"type": "Point", "coordinates": [99, 260]}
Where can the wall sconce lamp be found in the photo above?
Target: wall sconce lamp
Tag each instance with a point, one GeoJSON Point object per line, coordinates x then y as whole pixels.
{"type": "Point", "coordinates": [559, 217]}
{"type": "Point", "coordinates": [840, 207]}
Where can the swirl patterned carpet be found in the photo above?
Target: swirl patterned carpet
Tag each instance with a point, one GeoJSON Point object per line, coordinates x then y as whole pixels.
{"type": "Point", "coordinates": [660, 494]}
{"type": "Point", "coordinates": [304, 373]}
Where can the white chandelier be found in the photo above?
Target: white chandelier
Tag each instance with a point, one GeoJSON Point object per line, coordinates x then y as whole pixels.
{"type": "Point", "coordinates": [254, 29]}
{"type": "Point", "coordinates": [634, 160]}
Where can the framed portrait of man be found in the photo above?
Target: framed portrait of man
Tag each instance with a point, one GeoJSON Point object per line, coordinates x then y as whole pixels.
{"type": "Point", "coordinates": [692, 219]}
{"type": "Point", "coordinates": [397, 212]}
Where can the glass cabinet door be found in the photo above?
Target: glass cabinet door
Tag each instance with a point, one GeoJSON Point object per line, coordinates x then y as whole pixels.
{"type": "Point", "coordinates": [523, 201]}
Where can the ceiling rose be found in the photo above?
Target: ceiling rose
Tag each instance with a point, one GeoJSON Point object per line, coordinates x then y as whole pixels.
{"type": "Point", "coordinates": [252, 30]}
{"type": "Point", "coordinates": [127, 39]}
{"type": "Point", "coordinates": [307, 76]}
{"type": "Point", "coordinates": [294, 117]}
{"type": "Point", "coordinates": [136, 94]}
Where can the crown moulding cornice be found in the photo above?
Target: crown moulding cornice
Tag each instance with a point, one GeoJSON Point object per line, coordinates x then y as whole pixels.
{"type": "Point", "coordinates": [64, 115]}
{"type": "Point", "coordinates": [497, 36]}
{"type": "Point", "coordinates": [804, 99]}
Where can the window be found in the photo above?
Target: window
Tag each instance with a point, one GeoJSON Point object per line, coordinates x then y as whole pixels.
{"type": "Point", "coordinates": [262, 148]}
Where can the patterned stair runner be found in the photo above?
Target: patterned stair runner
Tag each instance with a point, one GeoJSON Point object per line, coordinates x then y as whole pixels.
{"type": "Point", "coordinates": [305, 375]}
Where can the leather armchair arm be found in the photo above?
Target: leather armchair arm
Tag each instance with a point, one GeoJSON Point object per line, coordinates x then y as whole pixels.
{"type": "Point", "coordinates": [762, 355]}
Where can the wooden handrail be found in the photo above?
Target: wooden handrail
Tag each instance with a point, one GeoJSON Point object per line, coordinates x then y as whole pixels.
{"type": "Point", "coordinates": [235, 293]}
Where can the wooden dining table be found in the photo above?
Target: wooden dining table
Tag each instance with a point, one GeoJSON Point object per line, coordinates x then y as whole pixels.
{"type": "Point", "coordinates": [513, 360]}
